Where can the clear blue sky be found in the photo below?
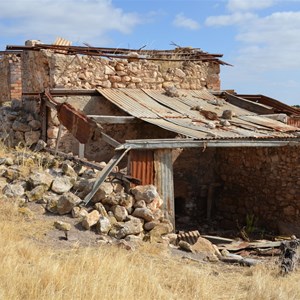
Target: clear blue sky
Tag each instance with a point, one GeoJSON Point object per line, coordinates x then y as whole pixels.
{"type": "Point", "coordinates": [261, 38]}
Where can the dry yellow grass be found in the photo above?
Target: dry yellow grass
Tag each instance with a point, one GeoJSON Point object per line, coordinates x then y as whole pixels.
{"type": "Point", "coordinates": [32, 271]}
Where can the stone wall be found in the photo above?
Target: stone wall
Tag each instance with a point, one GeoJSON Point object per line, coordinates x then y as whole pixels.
{"type": "Point", "coordinates": [263, 182]}
{"type": "Point", "coordinates": [44, 69]}
{"type": "Point", "coordinates": [10, 78]}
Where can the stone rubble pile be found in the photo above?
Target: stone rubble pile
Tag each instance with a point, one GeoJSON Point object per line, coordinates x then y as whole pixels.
{"type": "Point", "coordinates": [60, 186]}
{"type": "Point", "coordinates": [18, 126]}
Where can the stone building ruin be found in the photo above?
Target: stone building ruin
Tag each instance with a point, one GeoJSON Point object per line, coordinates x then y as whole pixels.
{"type": "Point", "coordinates": [167, 110]}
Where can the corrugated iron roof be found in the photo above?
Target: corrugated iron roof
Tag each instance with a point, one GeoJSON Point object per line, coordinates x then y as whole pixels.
{"type": "Point", "coordinates": [176, 114]}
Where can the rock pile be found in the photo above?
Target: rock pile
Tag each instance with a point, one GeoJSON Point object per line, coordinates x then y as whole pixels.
{"type": "Point", "coordinates": [61, 186]}
{"type": "Point", "coordinates": [18, 126]}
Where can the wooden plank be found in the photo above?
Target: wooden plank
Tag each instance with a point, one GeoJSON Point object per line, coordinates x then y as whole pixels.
{"type": "Point", "coordinates": [104, 173]}
{"type": "Point", "coordinates": [58, 138]}
{"type": "Point", "coordinates": [248, 105]}
{"type": "Point", "coordinates": [114, 119]}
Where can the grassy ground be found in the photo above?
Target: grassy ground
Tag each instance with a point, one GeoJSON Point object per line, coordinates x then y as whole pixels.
{"type": "Point", "coordinates": [33, 270]}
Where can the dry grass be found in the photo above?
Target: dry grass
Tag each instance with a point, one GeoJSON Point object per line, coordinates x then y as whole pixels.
{"type": "Point", "coordinates": [31, 271]}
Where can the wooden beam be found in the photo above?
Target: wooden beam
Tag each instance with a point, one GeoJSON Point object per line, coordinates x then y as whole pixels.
{"type": "Point", "coordinates": [114, 119]}
{"type": "Point", "coordinates": [104, 173]}
{"type": "Point", "coordinates": [248, 105]}
{"type": "Point", "coordinates": [189, 143]}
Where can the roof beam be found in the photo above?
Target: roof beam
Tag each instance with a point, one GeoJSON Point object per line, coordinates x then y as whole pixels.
{"type": "Point", "coordinates": [114, 119]}
{"type": "Point", "coordinates": [189, 143]}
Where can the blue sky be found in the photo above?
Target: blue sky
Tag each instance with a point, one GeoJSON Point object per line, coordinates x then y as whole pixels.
{"type": "Point", "coordinates": [261, 38]}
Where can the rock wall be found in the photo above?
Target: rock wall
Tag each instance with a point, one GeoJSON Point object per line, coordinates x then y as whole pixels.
{"type": "Point", "coordinates": [10, 78]}
{"type": "Point", "coordinates": [46, 69]}
{"type": "Point", "coordinates": [263, 182]}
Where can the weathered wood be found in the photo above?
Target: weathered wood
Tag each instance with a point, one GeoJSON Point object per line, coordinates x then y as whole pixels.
{"type": "Point", "coordinates": [289, 256]}
{"type": "Point", "coordinates": [104, 173]}
{"type": "Point", "coordinates": [114, 119]}
{"type": "Point", "coordinates": [248, 105]}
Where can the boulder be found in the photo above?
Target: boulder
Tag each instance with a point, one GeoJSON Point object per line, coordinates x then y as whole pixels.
{"type": "Point", "coordinates": [40, 178]}
{"type": "Point", "coordinates": [61, 184]}
{"type": "Point", "coordinates": [13, 190]}
{"type": "Point", "coordinates": [60, 225]}
{"type": "Point", "coordinates": [145, 192]}
{"type": "Point", "coordinates": [105, 189]}
{"type": "Point", "coordinates": [103, 225]}
{"type": "Point", "coordinates": [36, 193]}
{"type": "Point", "coordinates": [131, 227]}
{"type": "Point", "coordinates": [120, 212]}
{"type": "Point", "coordinates": [90, 220]}
{"type": "Point", "coordinates": [143, 213]}
{"type": "Point", "coordinates": [66, 202]}
{"type": "Point", "coordinates": [159, 230]}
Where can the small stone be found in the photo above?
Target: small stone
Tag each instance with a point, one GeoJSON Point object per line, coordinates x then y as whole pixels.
{"type": "Point", "coordinates": [13, 190]}
{"type": "Point", "coordinates": [126, 201]}
{"type": "Point", "coordinates": [35, 124]}
{"type": "Point", "coordinates": [32, 137]}
{"type": "Point", "coordinates": [145, 192]}
{"type": "Point", "coordinates": [66, 202]}
{"type": "Point", "coordinates": [133, 226]}
{"type": "Point", "coordinates": [185, 246]}
{"type": "Point", "coordinates": [90, 220]}
{"type": "Point", "coordinates": [19, 126]}
{"type": "Point", "coordinates": [52, 132]}
{"type": "Point", "coordinates": [143, 213]}
{"type": "Point", "coordinates": [150, 225]}
{"type": "Point", "coordinates": [103, 225]}
{"type": "Point", "coordinates": [79, 212]}
{"type": "Point", "coordinates": [105, 189]}
{"type": "Point", "coordinates": [120, 213]}
{"type": "Point", "coordinates": [60, 225]}
{"type": "Point", "coordinates": [61, 185]}
{"type": "Point", "coordinates": [101, 209]}
{"type": "Point", "coordinates": [68, 170]}
{"type": "Point", "coordinates": [40, 178]}
{"type": "Point", "coordinates": [36, 193]}
{"type": "Point", "coordinates": [51, 200]}
{"type": "Point", "coordinates": [140, 204]}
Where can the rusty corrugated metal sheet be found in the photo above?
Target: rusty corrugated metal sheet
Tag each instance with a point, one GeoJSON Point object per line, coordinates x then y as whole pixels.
{"type": "Point", "coordinates": [81, 127]}
{"type": "Point", "coordinates": [267, 122]}
{"type": "Point", "coordinates": [175, 114]}
{"type": "Point", "coordinates": [294, 121]}
{"type": "Point", "coordinates": [164, 181]}
{"type": "Point", "coordinates": [142, 165]}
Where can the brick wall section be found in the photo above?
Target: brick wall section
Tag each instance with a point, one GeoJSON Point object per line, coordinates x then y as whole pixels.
{"type": "Point", "coordinates": [10, 78]}
{"type": "Point", "coordinates": [4, 79]}
{"type": "Point", "coordinates": [264, 182]}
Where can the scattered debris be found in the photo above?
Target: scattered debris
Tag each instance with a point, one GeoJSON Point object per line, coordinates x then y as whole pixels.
{"type": "Point", "coordinates": [289, 256]}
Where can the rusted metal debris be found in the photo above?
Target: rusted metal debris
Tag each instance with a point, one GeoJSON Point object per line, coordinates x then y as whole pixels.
{"type": "Point", "coordinates": [191, 237]}
{"type": "Point", "coordinates": [81, 127]}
